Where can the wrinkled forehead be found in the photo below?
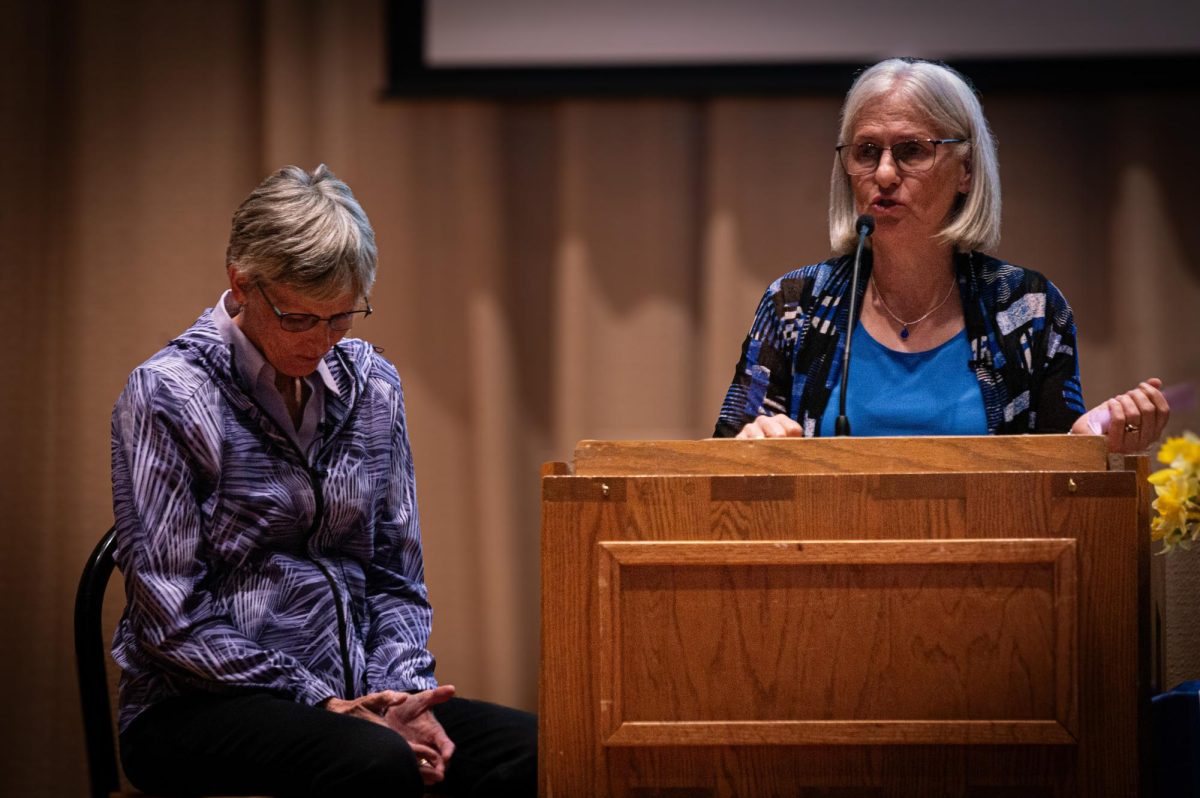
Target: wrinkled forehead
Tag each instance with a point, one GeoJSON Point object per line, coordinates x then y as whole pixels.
{"type": "Point", "coordinates": [895, 113]}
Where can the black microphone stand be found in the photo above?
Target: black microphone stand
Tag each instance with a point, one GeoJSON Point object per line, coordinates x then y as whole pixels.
{"type": "Point", "coordinates": [865, 225]}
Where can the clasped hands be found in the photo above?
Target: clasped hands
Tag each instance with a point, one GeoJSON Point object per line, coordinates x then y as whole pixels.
{"type": "Point", "coordinates": [409, 715]}
{"type": "Point", "coordinates": [1131, 421]}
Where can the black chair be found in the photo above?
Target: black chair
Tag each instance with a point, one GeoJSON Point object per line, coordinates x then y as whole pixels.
{"type": "Point", "coordinates": [91, 662]}
{"type": "Point", "coordinates": [91, 658]}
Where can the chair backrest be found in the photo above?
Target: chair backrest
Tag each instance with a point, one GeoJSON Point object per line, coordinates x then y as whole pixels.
{"type": "Point", "coordinates": [91, 661]}
{"type": "Point", "coordinates": [91, 657]}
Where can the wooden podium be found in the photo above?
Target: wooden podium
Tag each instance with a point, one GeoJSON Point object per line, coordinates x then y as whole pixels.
{"type": "Point", "coordinates": [846, 617]}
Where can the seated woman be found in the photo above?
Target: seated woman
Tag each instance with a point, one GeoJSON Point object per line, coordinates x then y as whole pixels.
{"type": "Point", "coordinates": [274, 639]}
{"type": "Point", "coordinates": [949, 341]}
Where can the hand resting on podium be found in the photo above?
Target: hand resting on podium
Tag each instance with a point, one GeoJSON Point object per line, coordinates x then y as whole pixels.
{"type": "Point", "coordinates": [1131, 421]}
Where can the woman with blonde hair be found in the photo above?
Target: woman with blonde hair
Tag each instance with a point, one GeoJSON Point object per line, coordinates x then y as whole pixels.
{"type": "Point", "coordinates": [949, 340]}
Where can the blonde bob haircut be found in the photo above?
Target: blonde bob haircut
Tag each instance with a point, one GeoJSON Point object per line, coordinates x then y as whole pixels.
{"type": "Point", "coordinates": [946, 99]}
{"type": "Point", "coordinates": [307, 231]}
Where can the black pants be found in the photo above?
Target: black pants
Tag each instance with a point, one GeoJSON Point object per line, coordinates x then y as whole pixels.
{"type": "Point", "coordinates": [259, 744]}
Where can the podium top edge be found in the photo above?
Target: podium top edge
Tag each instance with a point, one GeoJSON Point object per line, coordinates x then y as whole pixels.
{"type": "Point", "coordinates": [784, 456]}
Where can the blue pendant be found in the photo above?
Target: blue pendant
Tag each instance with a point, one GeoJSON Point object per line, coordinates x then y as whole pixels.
{"type": "Point", "coordinates": [904, 333]}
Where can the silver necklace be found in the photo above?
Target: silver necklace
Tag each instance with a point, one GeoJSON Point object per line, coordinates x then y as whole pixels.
{"type": "Point", "coordinates": [904, 325]}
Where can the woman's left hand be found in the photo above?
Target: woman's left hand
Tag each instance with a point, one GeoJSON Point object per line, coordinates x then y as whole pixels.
{"type": "Point", "coordinates": [413, 720]}
{"type": "Point", "coordinates": [1132, 421]}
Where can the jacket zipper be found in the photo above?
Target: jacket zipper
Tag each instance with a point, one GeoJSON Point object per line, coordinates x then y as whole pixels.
{"type": "Point", "coordinates": [314, 475]}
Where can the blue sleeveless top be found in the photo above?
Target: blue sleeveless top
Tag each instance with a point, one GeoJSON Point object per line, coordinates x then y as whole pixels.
{"type": "Point", "coordinates": [909, 393]}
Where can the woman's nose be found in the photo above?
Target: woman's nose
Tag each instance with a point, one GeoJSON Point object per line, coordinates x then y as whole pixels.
{"type": "Point", "coordinates": [324, 333]}
{"type": "Point", "coordinates": [886, 173]}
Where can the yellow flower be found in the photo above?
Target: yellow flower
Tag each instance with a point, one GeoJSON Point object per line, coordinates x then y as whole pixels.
{"type": "Point", "coordinates": [1163, 476]}
{"type": "Point", "coordinates": [1181, 452]}
{"type": "Point", "coordinates": [1177, 506]}
{"type": "Point", "coordinates": [1172, 502]}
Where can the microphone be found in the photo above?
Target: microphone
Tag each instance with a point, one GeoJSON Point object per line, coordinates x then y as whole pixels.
{"type": "Point", "coordinates": [864, 225]}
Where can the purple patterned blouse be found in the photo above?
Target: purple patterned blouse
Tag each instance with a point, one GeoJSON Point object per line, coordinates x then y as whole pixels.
{"type": "Point", "coordinates": [249, 566]}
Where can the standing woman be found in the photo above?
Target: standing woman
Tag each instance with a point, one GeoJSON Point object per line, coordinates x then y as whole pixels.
{"type": "Point", "coordinates": [949, 341]}
{"type": "Point", "coordinates": [274, 636]}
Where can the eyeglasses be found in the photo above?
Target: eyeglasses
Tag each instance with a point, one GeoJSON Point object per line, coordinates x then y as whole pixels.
{"type": "Point", "coordinates": [302, 322]}
{"type": "Point", "coordinates": [914, 155]}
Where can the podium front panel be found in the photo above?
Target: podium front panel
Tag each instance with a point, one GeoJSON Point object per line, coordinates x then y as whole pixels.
{"type": "Point", "coordinates": [845, 634]}
{"type": "Point", "coordinates": [837, 642]}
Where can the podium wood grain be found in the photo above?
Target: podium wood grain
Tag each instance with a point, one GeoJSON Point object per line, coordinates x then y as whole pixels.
{"type": "Point", "coordinates": [843, 631]}
{"type": "Point", "coordinates": [941, 454]}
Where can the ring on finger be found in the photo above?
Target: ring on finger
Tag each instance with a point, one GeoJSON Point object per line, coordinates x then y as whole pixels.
{"type": "Point", "coordinates": [423, 762]}
{"type": "Point", "coordinates": [1132, 427]}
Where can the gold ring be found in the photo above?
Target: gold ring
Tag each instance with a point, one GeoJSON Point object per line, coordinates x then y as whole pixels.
{"type": "Point", "coordinates": [1131, 428]}
{"type": "Point", "coordinates": [423, 762]}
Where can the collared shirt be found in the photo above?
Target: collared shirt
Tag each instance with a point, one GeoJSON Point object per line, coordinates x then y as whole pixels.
{"type": "Point", "coordinates": [259, 377]}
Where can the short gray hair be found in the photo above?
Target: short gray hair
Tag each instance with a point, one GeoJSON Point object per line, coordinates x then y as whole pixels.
{"type": "Point", "coordinates": [306, 231]}
{"type": "Point", "coordinates": [948, 100]}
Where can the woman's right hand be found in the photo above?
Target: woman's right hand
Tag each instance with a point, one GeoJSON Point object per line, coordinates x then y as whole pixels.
{"type": "Point", "coordinates": [772, 427]}
{"type": "Point", "coordinates": [369, 707]}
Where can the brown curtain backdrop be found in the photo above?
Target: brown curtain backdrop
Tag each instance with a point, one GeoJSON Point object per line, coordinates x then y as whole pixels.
{"type": "Point", "coordinates": [550, 271]}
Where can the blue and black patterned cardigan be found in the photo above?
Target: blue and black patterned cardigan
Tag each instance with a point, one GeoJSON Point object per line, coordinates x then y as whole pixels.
{"type": "Point", "coordinates": [249, 566]}
{"type": "Point", "coordinates": [1020, 329]}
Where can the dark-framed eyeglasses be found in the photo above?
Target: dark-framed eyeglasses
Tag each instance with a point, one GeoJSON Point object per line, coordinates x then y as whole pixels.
{"type": "Point", "coordinates": [913, 155]}
{"type": "Point", "coordinates": [303, 322]}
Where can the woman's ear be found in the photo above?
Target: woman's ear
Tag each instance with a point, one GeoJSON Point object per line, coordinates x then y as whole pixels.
{"type": "Point", "coordinates": [964, 180]}
{"type": "Point", "coordinates": [237, 284]}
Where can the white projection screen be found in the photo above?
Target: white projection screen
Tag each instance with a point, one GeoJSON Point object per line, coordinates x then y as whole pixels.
{"type": "Point", "coordinates": [619, 45]}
